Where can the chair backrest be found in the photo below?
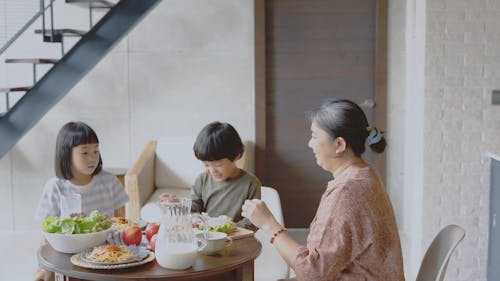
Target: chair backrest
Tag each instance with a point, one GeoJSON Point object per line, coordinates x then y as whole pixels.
{"type": "Point", "coordinates": [270, 265]}
{"type": "Point", "coordinates": [175, 164]}
{"type": "Point", "coordinates": [272, 199]}
{"type": "Point", "coordinates": [437, 256]}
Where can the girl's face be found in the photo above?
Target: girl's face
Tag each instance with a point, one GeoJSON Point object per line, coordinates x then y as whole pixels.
{"type": "Point", "coordinates": [221, 170]}
{"type": "Point", "coordinates": [84, 159]}
{"type": "Point", "coordinates": [322, 147]}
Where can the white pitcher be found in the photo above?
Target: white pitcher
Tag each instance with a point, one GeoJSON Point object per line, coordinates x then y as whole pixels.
{"type": "Point", "coordinates": [177, 245]}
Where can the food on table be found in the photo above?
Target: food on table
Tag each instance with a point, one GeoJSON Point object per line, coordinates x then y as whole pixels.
{"type": "Point", "coordinates": [120, 223]}
{"type": "Point", "coordinates": [221, 223]}
{"type": "Point", "coordinates": [119, 220]}
{"type": "Point", "coordinates": [132, 235]}
{"type": "Point", "coordinates": [77, 224]}
{"type": "Point", "coordinates": [110, 253]}
{"type": "Point", "coordinates": [151, 229]}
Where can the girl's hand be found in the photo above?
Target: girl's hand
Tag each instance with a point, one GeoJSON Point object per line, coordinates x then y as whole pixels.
{"type": "Point", "coordinates": [43, 275]}
{"type": "Point", "coordinates": [258, 213]}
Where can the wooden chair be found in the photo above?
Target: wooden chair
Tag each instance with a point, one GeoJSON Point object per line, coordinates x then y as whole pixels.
{"type": "Point", "coordinates": [167, 165]}
{"type": "Point", "coordinates": [437, 256]}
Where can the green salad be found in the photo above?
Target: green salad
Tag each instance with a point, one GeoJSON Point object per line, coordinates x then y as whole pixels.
{"type": "Point", "coordinates": [221, 223]}
{"type": "Point", "coordinates": [78, 224]}
{"type": "Point", "coordinates": [228, 227]}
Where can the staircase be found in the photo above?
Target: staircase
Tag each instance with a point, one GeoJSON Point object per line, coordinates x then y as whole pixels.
{"type": "Point", "coordinates": [67, 71]}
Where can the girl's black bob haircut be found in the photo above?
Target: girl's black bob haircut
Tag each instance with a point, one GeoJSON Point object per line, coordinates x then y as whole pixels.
{"type": "Point", "coordinates": [217, 141]}
{"type": "Point", "coordinates": [70, 135]}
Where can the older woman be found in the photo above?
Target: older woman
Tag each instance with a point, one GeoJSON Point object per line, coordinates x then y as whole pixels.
{"type": "Point", "coordinates": [354, 235]}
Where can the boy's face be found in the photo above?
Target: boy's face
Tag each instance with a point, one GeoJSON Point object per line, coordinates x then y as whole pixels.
{"type": "Point", "coordinates": [221, 170]}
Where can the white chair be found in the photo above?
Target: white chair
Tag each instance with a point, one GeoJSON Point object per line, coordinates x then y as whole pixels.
{"type": "Point", "coordinates": [270, 265]}
{"type": "Point", "coordinates": [437, 256]}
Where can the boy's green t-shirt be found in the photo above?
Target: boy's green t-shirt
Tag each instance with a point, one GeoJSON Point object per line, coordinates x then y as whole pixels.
{"type": "Point", "coordinates": [226, 197]}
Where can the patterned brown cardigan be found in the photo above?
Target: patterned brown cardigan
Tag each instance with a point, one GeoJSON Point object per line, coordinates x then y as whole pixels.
{"type": "Point", "coordinates": [354, 235]}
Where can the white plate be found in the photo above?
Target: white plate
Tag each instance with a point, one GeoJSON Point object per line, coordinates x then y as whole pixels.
{"type": "Point", "coordinates": [140, 253]}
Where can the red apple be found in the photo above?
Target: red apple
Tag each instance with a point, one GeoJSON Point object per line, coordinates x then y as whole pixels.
{"type": "Point", "coordinates": [151, 229]}
{"type": "Point", "coordinates": [152, 242]}
{"type": "Point", "coordinates": [132, 235]}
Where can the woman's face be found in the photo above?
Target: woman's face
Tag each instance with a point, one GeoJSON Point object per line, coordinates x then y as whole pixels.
{"type": "Point", "coordinates": [322, 147]}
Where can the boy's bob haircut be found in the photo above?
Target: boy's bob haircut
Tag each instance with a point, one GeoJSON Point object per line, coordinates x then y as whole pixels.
{"type": "Point", "coordinates": [217, 141]}
{"type": "Point", "coordinates": [73, 134]}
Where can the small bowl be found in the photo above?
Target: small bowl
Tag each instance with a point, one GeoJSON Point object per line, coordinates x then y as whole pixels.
{"type": "Point", "coordinates": [76, 243]}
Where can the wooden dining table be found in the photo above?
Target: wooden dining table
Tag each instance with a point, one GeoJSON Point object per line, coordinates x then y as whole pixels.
{"type": "Point", "coordinates": [235, 263]}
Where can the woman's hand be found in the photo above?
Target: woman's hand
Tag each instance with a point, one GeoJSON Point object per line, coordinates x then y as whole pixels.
{"type": "Point", "coordinates": [258, 213]}
{"type": "Point", "coordinates": [43, 275]}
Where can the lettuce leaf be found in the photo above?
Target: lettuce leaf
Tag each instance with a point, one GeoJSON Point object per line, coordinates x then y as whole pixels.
{"type": "Point", "coordinates": [95, 222]}
{"type": "Point", "coordinates": [219, 224]}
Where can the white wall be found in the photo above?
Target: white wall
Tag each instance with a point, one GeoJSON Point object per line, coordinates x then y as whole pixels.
{"type": "Point", "coordinates": [450, 58]}
{"type": "Point", "coordinates": [461, 125]}
{"type": "Point", "coordinates": [187, 64]}
{"type": "Point", "coordinates": [395, 119]}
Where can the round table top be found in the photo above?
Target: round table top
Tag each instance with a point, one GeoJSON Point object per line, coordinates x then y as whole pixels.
{"type": "Point", "coordinates": [240, 252]}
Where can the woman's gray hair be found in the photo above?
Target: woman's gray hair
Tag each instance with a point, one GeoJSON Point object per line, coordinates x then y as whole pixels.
{"type": "Point", "coordinates": [345, 119]}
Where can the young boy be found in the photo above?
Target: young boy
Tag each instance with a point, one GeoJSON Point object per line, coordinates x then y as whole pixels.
{"type": "Point", "coordinates": [223, 187]}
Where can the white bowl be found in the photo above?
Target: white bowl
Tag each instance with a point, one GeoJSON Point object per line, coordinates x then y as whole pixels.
{"type": "Point", "coordinates": [75, 243]}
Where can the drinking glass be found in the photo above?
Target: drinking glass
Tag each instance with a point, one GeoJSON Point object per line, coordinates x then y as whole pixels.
{"type": "Point", "coordinates": [71, 204]}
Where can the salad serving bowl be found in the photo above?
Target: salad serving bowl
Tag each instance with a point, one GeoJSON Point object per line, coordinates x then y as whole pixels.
{"type": "Point", "coordinates": [75, 243]}
{"type": "Point", "coordinates": [76, 233]}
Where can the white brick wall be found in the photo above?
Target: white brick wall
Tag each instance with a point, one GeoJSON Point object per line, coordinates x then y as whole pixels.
{"type": "Point", "coordinates": [461, 125]}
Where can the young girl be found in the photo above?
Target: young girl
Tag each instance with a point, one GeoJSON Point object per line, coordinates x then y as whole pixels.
{"type": "Point", "coordinates": [80, 184]}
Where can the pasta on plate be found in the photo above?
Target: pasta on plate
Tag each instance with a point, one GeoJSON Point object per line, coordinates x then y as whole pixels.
{"type": "Point", "coordinates": [110, 254]}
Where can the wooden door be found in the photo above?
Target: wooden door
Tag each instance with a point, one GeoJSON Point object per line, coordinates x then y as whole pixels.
{"type": "Point", "coordinates": [314, 50]}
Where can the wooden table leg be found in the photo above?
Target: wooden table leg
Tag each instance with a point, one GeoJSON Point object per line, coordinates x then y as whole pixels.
{"type": "Point", "coordinates": [245, 272]}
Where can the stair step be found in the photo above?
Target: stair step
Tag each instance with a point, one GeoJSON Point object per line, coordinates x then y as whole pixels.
{"type": "Point", "coordinates": [96, 4]}
{"type": "Point", "coordinates": [77, 62]}
{"type": "Point", "coordinates": [32, 60]}
{"type": "Point", "coordinates": [14, 89]}
{"type": "Point", "coordinates": [62, 32]}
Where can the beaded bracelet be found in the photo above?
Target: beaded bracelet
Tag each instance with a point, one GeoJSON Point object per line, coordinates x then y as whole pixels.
{"type": "Point", "coordinates": [276, 234]}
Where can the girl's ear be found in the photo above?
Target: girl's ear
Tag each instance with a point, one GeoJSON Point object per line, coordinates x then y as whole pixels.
{"type": "Point", "coordinates": [340, 145]}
